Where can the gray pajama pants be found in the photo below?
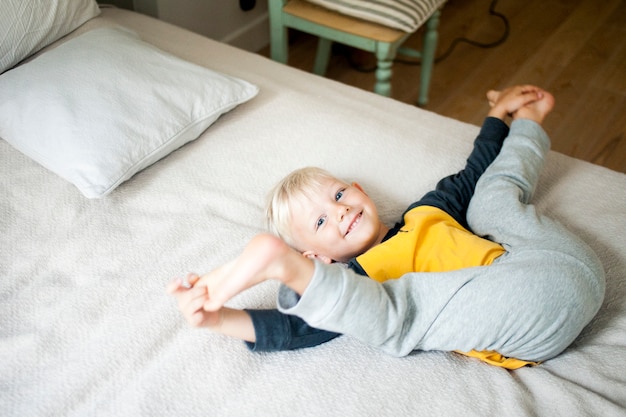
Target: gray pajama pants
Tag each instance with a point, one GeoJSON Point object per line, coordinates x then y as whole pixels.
{"type": "Point", "coordinates": [531, 303]}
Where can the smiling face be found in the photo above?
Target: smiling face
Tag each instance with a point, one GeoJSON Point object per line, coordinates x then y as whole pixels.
{"type": "Point", "coordinates": [336, 222]}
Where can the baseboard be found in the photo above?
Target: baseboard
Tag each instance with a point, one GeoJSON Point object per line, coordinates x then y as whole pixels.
{"type": "Point", "coordinates": [252, 37]}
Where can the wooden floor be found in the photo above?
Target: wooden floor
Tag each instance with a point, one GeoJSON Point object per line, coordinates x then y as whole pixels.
{"type": "Point", "coordinates": [574, 48]}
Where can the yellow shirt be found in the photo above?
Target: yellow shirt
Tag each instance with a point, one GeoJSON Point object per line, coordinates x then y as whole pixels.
{"type": "Point", "coordinates": [432, 241]}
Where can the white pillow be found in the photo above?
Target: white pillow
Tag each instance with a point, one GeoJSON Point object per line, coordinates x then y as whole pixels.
{"type": "Point", "coordinates": [26, 26]}
{"type": "Point", "coordinates": [398, 14]}
{"type": "Point", "coordinates": [105, 105]}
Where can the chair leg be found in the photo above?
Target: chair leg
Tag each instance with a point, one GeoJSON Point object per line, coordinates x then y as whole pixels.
{"type": "Point", "coordinates": [278, 32]}
{"type": "Point", "coordinates": [385, 54]}
{"type": "Point", "coordinates": [428, 57]}
{"type": "Point", "coordinates": [383, 78]}
{"type": "Point", "coordinates": [322, 56]}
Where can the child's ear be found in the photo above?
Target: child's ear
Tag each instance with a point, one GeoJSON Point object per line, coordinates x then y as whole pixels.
{"type": "Point", "coordinates": [358, 186]}
{"type": "Point", "coordinates": [312, 255]}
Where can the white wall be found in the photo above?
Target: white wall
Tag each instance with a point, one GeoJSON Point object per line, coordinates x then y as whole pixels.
{"type": "Point", "coordinates": [221, 20]}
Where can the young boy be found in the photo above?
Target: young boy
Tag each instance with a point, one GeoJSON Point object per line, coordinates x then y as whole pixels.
{"type": "Point", "coordinates": [542, 287]}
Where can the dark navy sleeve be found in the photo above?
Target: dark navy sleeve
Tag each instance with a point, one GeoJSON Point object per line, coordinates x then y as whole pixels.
{"type": "Point", "coordinates": [275, 331]}
{"type": "Point", "coordinates": [453, 194]}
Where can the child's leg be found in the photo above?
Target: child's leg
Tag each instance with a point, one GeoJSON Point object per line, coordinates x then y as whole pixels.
{"type": "Point", "coordinates": [502, 194]}
{"type": "Point", "coordinates": [500, 205]}
{"type": "Point", "coordinates": [500, 208]}
{"type": "Point", "coordinates": [564, 266]}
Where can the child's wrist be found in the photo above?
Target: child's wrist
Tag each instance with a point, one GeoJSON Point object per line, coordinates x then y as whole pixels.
{"type": "Point", "coordinates": [498, 113]}
{"type": "Point", "coordinates": [216, 327]}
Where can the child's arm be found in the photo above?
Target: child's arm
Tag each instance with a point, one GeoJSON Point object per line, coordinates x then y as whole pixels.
{"type": "Point", "coordinates": [277, 331]}
{"type": "Point", "coordinates": [262, 330]}
{"type": "Point", "coordinates": [453, 193]}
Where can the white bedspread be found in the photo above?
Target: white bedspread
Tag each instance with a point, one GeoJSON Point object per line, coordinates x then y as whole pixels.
{"type": "Point", "coordinates": [86, 328]}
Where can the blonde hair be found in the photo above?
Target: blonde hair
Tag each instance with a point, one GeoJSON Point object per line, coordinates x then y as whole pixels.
{"type": "Point", "coordinates": [303, 182]}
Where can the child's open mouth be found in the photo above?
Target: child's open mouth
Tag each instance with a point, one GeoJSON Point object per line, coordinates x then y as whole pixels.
{"type": "Point", "coordinates": [354, 223]}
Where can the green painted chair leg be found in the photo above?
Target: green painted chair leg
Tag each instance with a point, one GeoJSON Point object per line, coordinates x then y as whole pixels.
{"type": "Point", "coordinates": [428, 57]}
{"type": "Point", "coordinates": [383, 78]}
{"type": "Point", "coordinates": [385, 54]}
{"type": "Point", "coordinates": [278, 32]}
{"type": "Point", "coordinates": [322, 56]}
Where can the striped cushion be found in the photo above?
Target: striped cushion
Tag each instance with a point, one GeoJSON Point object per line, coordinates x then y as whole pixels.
{"type": "Point", "coordinates": [26, 26]}
{"type": "Point", "coordinates": [406, 15]}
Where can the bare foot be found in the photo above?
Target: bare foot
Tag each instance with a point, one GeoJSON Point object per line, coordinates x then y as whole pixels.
{"type": "Point", "coordinates": [506, 102]}
{"type": "Point", "coordinates": [265, 257]}
{"type": "Point", "coordinates": [537, 110]}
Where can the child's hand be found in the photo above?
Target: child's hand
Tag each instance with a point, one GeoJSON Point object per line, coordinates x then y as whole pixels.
{"type": "Point", "coordinates": [191, 300]}
{"type": "Point", "coordinates": [511, 100]}
{"type": "Point", "coordinates": [537, 110]}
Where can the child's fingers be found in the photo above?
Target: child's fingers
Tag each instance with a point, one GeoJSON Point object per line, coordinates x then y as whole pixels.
{"type": "Point", "coordinates": [517, 98]}
{"type": "Point", "coordinates": [185, 283]}
{"type": "Point", "coordinates": [190, 303]}
{"type": "Point", "coordinates": [190, 280]}
{"type": "Point", "coordinates": [188, 299]}
{"type": "Point", "coordinates": [493, 96]}
{"type": "Point", "coordinates": [527, 97]}
{"type": "Point", "coordinates": [194, 303]}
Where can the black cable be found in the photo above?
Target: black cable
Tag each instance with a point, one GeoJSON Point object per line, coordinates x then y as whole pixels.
{"type": "Point", "coordinates": [453, 45]}
{"type": "Point", "coordinates": [498, 42]}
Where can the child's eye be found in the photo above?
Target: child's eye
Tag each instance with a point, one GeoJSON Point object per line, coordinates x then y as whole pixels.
{"type": "Point", "coordinates": [320, 222]}
{"type": "Point", "coordinates": [339, 195]}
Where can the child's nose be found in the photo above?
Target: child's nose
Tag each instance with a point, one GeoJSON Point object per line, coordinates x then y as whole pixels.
{"type": "Point", "coordinates": [343, 210]}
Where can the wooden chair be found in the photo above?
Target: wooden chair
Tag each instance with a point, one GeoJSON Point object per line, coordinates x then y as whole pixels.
{"type": "Point", "coordinates": [330, 26]}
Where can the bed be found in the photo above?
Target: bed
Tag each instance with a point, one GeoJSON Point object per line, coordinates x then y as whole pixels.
{"type": "Point", "coordinates": [87, 328]}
